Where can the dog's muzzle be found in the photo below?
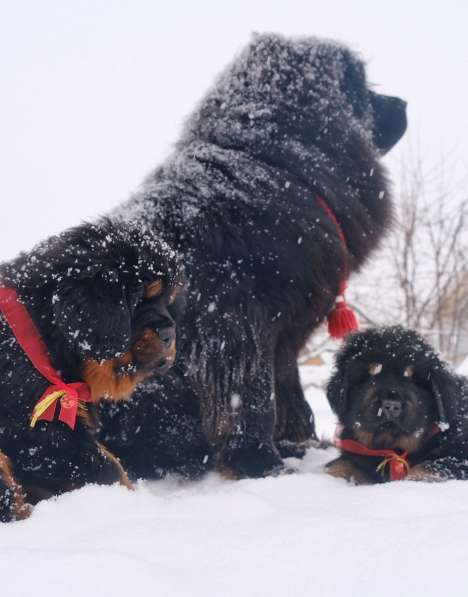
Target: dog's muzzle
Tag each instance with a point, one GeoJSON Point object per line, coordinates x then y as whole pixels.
{"type": "Point", "coordinates": [154, 342]}
{"type": "Point", "coordinates": [151, 351]}
{"type": "Point", "coordinates": [392, 409]}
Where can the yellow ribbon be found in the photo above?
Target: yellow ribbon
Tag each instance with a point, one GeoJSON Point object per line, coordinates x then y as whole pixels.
{"type": "Point", "coordinates": [385, 461]}
{"type": "Point", "coordinates": [44, 404]}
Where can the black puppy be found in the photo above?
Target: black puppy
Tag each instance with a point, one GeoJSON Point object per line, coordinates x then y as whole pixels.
{"type": "Point", "coordinates": [403, 413]}
{"type": "Point", "coordinates": [85, 315]}
{"type": "Point", "coordinates": [274, 194]}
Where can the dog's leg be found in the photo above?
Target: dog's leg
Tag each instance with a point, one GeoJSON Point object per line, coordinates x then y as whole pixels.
{"type": "Point", "coordinates": [248, 449]}
{"type": "Point", "coordinates": [231, 370]}
{"type": "Point", "coordinates": [343, 468]}
{"type": "Point", "coordinates": [439, 470]}
{"type": "Point", "coordinates": [118, 473]}
{"type": "Point", "coordinates": [106, 470]}
{"type": "Point", "coordinates": [54, 459]}
{"type": "Point", "coordinates": [424, 472]}
{"type": "Point", "coordinates": [294, 418]}
{"type": "Point", "coordinates": [12, 505]}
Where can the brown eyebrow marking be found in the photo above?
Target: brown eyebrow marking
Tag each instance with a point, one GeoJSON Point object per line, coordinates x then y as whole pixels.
{"type": "Point", "coordinates": [408, 371]}
{"type": "Point", "coordinates": [154, 289]}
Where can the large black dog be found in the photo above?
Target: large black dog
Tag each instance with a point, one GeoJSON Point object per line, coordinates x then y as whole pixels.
{"type": "Point", "coordinates": [102, 299]}
{"type": "Point", "coordinates": [403, 413]}
{"type": "Point", "coordinates": [280, 157]}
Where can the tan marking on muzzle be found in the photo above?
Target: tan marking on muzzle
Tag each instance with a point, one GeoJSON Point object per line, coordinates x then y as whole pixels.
{"type": "Point", "coordinates": [148, 349]}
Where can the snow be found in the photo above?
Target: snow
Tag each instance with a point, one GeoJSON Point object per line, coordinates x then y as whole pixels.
{"type": "Point", "coordinates": [462, 368]}
{"type": "Point", "coordinates": [302, 534]}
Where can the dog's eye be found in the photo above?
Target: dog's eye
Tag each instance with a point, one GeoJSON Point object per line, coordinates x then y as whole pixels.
{"type": "Point", "coordinates": [154, 289]}
{"type": "Point", "coordinates": [375, 368]}
{"type": "Point", "coordinates": [409, 371]}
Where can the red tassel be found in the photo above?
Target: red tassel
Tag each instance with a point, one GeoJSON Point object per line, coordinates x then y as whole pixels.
{"type": "Point", "coordinates": [341, 320]}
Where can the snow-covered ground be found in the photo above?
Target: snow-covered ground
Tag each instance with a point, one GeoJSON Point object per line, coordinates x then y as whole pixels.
{"type": "Point", "coordinates": [296, 535]}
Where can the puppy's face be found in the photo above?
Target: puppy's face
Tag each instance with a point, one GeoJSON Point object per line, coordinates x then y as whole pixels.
{"type": "Point", "coordinates": [152, 346]}
{"type": "Point", "coordinates": [390, 388]}
{"type": "Point", "coordinates": [117, 309]}
{"type": "Point", "coordinates": [387, 408]}
{"type": "Point", "coordinates": [153, 324]}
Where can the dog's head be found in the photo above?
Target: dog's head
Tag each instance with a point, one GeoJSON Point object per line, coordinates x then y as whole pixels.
{"type": "Point", "coordinates": [390, 389]}
{"type": "Point", "coordinates": [110, 295]}
{"type": "Point", "coordinates": [385, 115]}
{"type": "Point", "coordinates": [301, 88]}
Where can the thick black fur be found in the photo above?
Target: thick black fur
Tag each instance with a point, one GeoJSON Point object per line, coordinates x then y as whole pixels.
{"type": "Point", "coordinates": [288, 120]}
{"type": "Point", "coordinates": [177, 445]}
{"type": "Point", "coordinates": [386, 408]}
{"type": "Point", "coordinates": [85, 291]}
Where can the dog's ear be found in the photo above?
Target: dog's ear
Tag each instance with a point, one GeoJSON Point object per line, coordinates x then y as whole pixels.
{"type": "Point", "coordinates": [353, 81]}
{"type": "Point", "coordinates": [337, 390]}
{"type": "Point", "coordinates": [445, 392]}
{"type": "Point", "coordinates": [93, 315]}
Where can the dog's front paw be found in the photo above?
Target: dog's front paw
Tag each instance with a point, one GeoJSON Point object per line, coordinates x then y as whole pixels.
{"type": "Point", "coordinates": [252, 461]}
{"type": "Point", "coordinates": [424, 472]}
{"type": "Point", "coordinates": [345, 469]}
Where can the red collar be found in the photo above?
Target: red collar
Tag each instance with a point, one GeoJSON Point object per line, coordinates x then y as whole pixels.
{"type": "Point", "coordinates": [398, 463]}
{"type": "Point", "coordinates": [341, 319]}
{"type": "Point", "coordinates": [28, 337]}
{"type": "Point", "coordinates": [331, 214]}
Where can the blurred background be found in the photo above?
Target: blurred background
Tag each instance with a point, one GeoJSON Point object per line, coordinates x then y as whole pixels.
{"type": "Point", "coordinates": [93, 94]}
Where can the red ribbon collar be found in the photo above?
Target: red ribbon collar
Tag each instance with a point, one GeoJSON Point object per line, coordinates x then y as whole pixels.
{"type": "Point", "coordinates": [398, 463]}
{"type": "Point", "coordinates": [27, 335]}
{"type": "Point", "coordinates": [341, 320]}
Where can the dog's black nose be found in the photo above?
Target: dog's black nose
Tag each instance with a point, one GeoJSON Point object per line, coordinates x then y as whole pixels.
{"type": "Point", "coordinates": [167, 335]}
{"type": "Point", "coordinates": [389, 120]}
{"type": "Point", "coordinates": [392, 409]}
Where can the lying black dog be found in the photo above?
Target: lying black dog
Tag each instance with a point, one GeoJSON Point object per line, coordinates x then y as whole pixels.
{"type": "Point", "coordinates": [403, 413]}
{"type": "Point", "coordinates": [85, 315]}
{"type": "Point", "coordinates": [275, 193]}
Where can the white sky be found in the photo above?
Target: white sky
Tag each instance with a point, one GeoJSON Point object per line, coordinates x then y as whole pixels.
{"type": "Point", "coordinates": [93, 93]}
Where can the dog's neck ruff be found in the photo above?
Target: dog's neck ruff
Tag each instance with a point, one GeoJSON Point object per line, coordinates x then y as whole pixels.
{"type": "Point", "coordinates": [341, 319]}
{"type": "Point", "coordinates": [27, 335]}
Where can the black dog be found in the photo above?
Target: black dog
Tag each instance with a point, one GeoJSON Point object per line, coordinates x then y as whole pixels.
{"type": "Point", "coordinates": [103, 300]}
{"type": "Point", "coordinates": [279, 159]}
{"type": "Point", "coordinates": [403, 413]}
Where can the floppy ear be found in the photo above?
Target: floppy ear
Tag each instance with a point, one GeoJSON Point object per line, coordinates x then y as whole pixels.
{"type": "Point", "coordinates": [337, 390]}
{"type": "Point", "coordinates": [93, 315]}
{"type": "Point", "coordinates": [445, 391]}
{"type": "Point", "coordinates": [353, 81]}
